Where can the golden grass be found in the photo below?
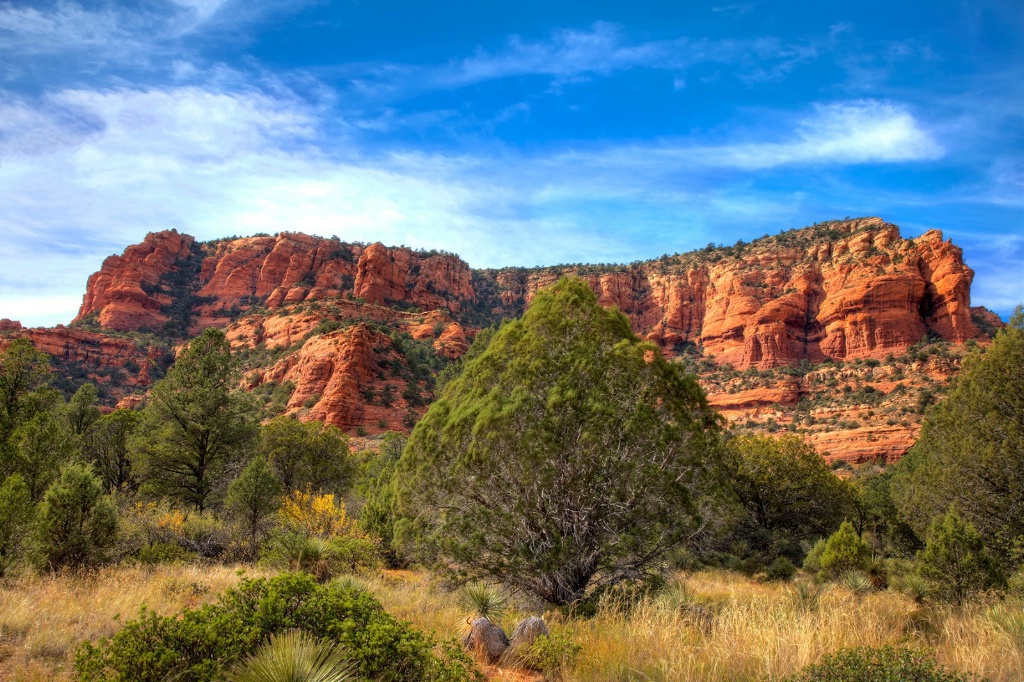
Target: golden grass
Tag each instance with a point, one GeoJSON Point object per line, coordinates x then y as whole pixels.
{"type": "Point", "coordinates": [723, 627]}
{"type": "Point", "coordinates": [741, 630]}
{"type": "Point", "coordinates": [44, 618]}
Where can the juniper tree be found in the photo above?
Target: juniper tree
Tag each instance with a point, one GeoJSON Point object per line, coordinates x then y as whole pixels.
{"type": "Point", "coordinates": [971, 451]}
{"type": "Point", "coordinates": [568, 456]}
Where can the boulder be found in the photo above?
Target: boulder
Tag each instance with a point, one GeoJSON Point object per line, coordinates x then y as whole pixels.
{"type": "Point", "coordinates": [524, 636]}
{"type": "Point", "coordinates": [486, 640]}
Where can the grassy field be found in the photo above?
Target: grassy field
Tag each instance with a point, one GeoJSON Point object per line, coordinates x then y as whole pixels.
{"type": "Point", "coordinates": [707, 626]}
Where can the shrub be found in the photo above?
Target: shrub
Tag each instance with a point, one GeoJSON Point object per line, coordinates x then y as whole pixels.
{"type": "Point", "coordinates": [77, 521]}
{"type": "Point", "coordinates": [781, 569]}
{"type": "Point", "coordinates": [198, 644]}
{"type": "Point", "coordinates": [955, 561]}
{"type": "Point", "coordinates": [16, 512]}
{"type": "Point", "coordinates": [844, 551]}
{"type": "Point", "coordinates": [553, 654]}
{"type": "Point", "coordinates": [884, 664]}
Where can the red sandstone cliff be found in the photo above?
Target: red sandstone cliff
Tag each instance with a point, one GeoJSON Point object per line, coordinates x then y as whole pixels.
{"type": "Point", "coordinates": [843, 290]}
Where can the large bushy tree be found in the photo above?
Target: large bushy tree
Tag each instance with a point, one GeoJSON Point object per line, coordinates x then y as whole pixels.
{"type": "Point", "coordinates": [567, 456]}
{"type": "Point", "coordinates": [194, 424]}
{"type": "Point", "coordinates": [786, 488]}
{"type": "Point", "coordinates": [307, 454]}
{"type": "Point", "coordinates": [971, 450]}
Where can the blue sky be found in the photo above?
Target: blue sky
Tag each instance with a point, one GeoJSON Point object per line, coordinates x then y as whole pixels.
{"type": "Point", "coordinates": [520, 133]}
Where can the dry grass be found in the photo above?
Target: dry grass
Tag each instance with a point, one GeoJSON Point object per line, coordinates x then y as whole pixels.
{"type": "Point", "coordinates": [44, 618]}
{"type": "Point", "coordinates": [725, 627]}
{"type": "Point", "coordinates": [721, 627]}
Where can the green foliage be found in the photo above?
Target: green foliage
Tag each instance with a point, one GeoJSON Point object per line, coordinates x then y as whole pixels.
{"type": "Point", "coordinates": [252, 498]}
{"type": "Point", "coordinates": [16, 516]}
{"type": "Point", "coordinates": [955, 561]}
{"type": "Point", "coordinates": [806, 596]}
{"type": "Point", "coordinates": [553, 654]}
{"type": "Point", "coordinates": [23, 369]}
{"type": "Point", "coordinates": [294, 657]}
{"type": "Point", "coordinates": [194, 424]}
{"type": "Point", "coordinates": [198, 644]}
{"type": "Point", "coordinates": [857, 582]}
{"type": "Point", "coordinates": [483, 600]}
{"type": "Point", "coordinates": [307, 454]}
{"type": "Point", "coordinates": [107, 445]}
{"type": "Point", "coordinates": [781, 569]}
{"type": "Point", "coordinates": [77, 520]}
{"type": "Point", "coordinates": [786, 489]}
{"type": "Point", "coordinates": [971, 451]}
{"type": "Point", "coordinates": [378, 515]}
{"type": "Point", "coordinates": [881, 664]}
{"type": "Point", "coordinates": [844, 551]}
{"type": "Point", "coordinates": [566, 399]}
{"type": "Point", "coordinates": [41, 443]}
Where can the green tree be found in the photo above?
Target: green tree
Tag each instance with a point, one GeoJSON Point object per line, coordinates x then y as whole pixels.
{"type": "Point", "coordinates": [786, 487]}
{"type": "Point", "coordinates": [844, 551]}
{"type": "Point", "coordinates": [77, 520]}
{"type": "Point", "coordinates": [23, 369]}
{"type": "Point", "coordinates": [569, 455]}
{"type": "Point", "coordinates": [194, 425]}
{"type": "Point", "coordinates": [81, 411]}
{"type": "Point", "coordinates": [955, 560]}
{"type": "Point", "coordinates": [307, 454]}
{"type": "Point", "coordinates": [107, 446]}
{"type": "Point", "coordinates": [253, 497]}
{"type": "Point", "coordinates": [16, 515]}
{"type": "Point", "coordinates": [41, 444]}
{"type": "Point", "coordinates": [379, 513]}
{"type": "Point", "coordinates": [971, 450]}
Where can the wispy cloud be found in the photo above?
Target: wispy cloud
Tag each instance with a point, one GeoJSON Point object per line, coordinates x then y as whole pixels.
{"type": "Point", "coordinates": [571, 55]}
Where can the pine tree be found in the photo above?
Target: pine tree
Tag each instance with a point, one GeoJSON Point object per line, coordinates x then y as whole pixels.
{"type": "Point", "coordinates": [955, 560]}
{"type": "Point", "coordinates": [194, 424]}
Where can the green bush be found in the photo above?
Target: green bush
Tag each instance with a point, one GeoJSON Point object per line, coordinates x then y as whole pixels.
{"type": "Point", "coordinates": [884, 664]}
{"type": "Point", "coordinates": [198, 645]}
{"type": "Point", "coordinates": [16, 512]}
{"type": "Point", "coordinates": [553, 654]}
{"type": "Point", "coordinates": [844, 551]}
{"type": "Point", "coordinates": [781, 569]}
{"type": "Point", "coordinates": [77, 521]}
{"type": "Point", "coordinates": [955, 561]}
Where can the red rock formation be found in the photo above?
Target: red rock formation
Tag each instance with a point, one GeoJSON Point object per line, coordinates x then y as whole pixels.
{"type": "Point", "coordinates": [334, 373]}
{"type": "Point", "coordinates": [841, 290]}
{"type": "Point", "coordinates": [97, 353]}
{"type": "Point", "coordinates": [117, 292]}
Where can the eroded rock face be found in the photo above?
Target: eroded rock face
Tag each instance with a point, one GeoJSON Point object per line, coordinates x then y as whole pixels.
{"type": "Point", "coordinates": [117, 294]}
{"type": "Point", "coordinates": [844, 290]}
{"type": "Point", "coordinates": [98, 355]}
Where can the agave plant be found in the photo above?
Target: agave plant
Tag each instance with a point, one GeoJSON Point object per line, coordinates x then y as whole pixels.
{"type": "Point", "coordinates": [483, 600]}
{"type": "Point", "coordinates": [294, 656]}
{"type": "Point", "coordinates": [857, 582]}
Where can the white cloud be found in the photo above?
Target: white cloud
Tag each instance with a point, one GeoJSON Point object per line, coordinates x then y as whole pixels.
{"type": "Point", "coordinates": [571, 55]}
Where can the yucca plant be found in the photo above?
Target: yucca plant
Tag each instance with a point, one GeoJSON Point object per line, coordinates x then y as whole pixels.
{"type": "Point", "coordinates": [857, 582]}
{"type": "Point", "coordinates": [914, 586]}
{"type": "Point", "coordinates": [1008, 617]}
{"type": "Point", "coordinates": [483, 600]}
{"type": "Point", "coordinates": [351, 583]}
{"type": "Point", "coordinates": [806, 596]}
{"type": "Point", "coordinates": [294, 656]}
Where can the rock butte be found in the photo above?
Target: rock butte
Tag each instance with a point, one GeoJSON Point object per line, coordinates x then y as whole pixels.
{"type": "Point", "coordinates": [842, 290]}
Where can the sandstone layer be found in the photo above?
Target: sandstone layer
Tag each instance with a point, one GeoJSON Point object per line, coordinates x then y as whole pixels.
{"type": "Point", "coordinates": [320, 317]}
